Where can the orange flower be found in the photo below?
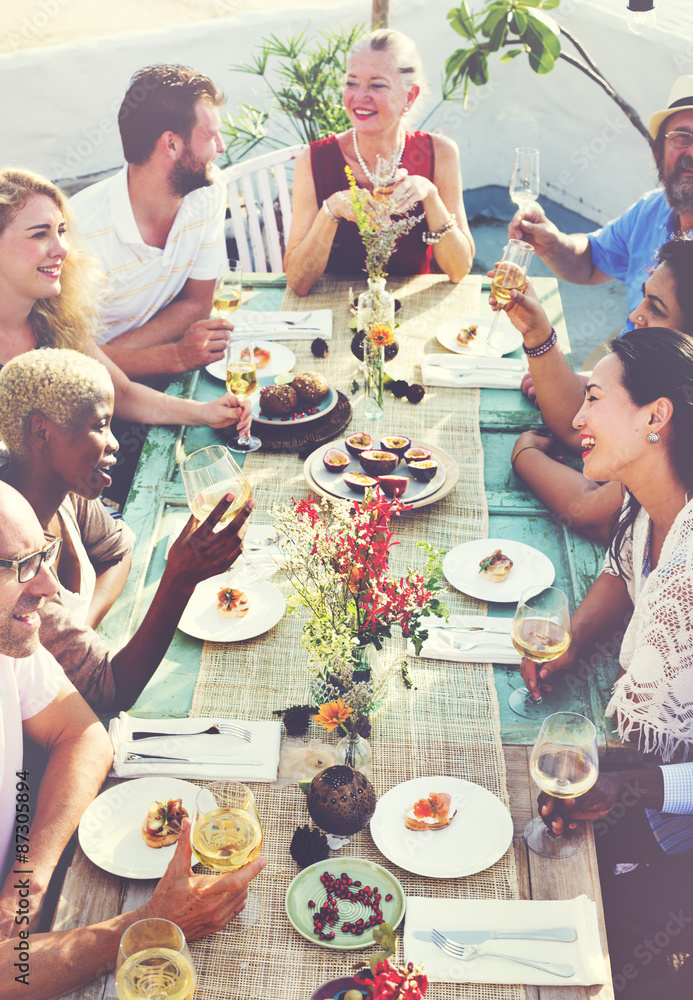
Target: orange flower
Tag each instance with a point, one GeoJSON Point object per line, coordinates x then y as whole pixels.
{"type": "Point", "coordinates": [382, 335]}
{"type": "Point", "coordinates": [333, 714]}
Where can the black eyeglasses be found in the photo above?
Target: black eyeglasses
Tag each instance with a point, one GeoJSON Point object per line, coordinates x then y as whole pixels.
{"type": "Point", "coordinates": [679, 140]}
{"type": "Point", "coordinates": [28, 566]}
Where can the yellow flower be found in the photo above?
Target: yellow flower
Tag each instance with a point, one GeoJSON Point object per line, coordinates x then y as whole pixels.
{"type": "Point", "coordinates": [333, 714]}
{"type": "Point", "coordinates": [382, 335]}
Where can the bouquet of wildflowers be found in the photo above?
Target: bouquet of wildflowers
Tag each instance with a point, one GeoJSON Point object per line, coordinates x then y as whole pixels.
{"type": "Point", "coordinates": [374, 211]}
{"type": "Point", "coordinates": [337, 561]}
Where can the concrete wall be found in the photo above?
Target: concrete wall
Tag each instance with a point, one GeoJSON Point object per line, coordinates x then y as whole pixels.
{"type": "Point", "coordinates": [59, 103]}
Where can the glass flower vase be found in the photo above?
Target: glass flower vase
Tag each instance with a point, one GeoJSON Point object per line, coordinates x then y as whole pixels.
{"type": "Point", "coordinates": [376, 317]}
{"type": "Point", "coordinates": [354, 751]}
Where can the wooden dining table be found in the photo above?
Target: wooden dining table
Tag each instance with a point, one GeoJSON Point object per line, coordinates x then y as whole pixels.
{"type": "Point", "coordinates": [455, 721]}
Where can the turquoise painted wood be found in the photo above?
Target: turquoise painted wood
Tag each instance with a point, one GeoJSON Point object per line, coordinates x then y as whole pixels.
{"type": "Point", "coordinates": [156, 507]}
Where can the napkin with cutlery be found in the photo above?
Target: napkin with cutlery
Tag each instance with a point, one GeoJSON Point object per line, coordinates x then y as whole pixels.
{"type": "Point", "coordinates": [584, 953]}
{"type": "Point", "coordinates": [475, 371]}
{"type": "Point", "coordinates": [490, 644]}
{"type": "Point", "coordinates": [283, 325]}
{"type": "Point", "coordinates": [177, 740]}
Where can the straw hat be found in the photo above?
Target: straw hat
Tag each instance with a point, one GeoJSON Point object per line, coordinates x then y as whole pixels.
{"type": "Point", "coordinates": [680, 99]}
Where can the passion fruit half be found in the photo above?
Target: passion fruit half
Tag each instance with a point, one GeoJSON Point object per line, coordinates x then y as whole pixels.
{"type": "Point", "coordinates": [378, 463]}
{"type": "Point", "coordinates": [356, 443]}
{"type": "Point", "coordinates": [416, 455]}
{"type": "Point", "coordinates": [359, 483]}
{"type": "Point", "coordinates": [393, 486]}
{"type": "Point", "coordinates": [335, 460]}
{"type": "Point", "coordinates": [398, 445]}
{"type": "Point", "coordinates": [423, 471]}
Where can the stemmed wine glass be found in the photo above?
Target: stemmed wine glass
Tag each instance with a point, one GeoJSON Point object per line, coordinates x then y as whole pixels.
{"type": "Point", "coordinates": [564, 763]}
{"type": "Point", "coordinates": [226, 835]}
{"type": "Point", "coordinates": [511, 272]}
{"type": "Point", "coordinates": [227, 297]}
{"type": "Point", "coordinates": [541, 632]}
{"type": "Point", "coordinates": [154, 962]}
{"type": "Point", "coordinates": [241, 379]}
{"type": "Point", "coordinates": [524, 181]}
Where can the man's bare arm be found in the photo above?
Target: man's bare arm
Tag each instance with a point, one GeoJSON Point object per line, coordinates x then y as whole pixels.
{"type": "Point", "coordinates": [569, 255]}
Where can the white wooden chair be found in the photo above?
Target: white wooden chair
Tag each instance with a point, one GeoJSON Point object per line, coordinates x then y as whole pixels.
{"type": "Point", "coordinates": [253, 186]}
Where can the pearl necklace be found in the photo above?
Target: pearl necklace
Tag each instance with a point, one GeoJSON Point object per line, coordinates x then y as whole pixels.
{"type": "Point", "coordinates": [396, 159]}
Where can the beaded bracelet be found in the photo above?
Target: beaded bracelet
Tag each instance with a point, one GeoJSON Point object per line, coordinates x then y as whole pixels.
{"type": "Point", "coordinates": [328, 211]}
{"type": "Point", "coordinates": [536, 352]}
{"type": "Point", "coordinates": [436, 237]}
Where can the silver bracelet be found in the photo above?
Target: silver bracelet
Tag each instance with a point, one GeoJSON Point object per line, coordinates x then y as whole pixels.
{"type": "Point", "coordinates": [328, 211]}
{"type": "Point", "coordinates": [436, 237]}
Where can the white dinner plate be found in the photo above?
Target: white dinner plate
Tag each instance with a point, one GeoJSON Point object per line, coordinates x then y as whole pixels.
{"type": "Point", "coordinates": [266, 606]}
{"type": "Point", "coordinates": [333, 483]}
{"type": "Point", "coordinates": [323, 407]}
{"type": "Point", "coordinates": [110, 832]}
{"type": "Point", "coordinates": [505, 337]}
{"type": "Point", "coordinates": [531, 569]}
{"type": "Point", "coordinates": [477, 837]}
{"type": "Point", "coordinates": [281, 360]}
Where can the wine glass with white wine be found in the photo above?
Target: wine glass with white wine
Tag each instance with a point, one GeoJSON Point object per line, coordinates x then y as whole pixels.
{"type": "Point", "coordinates": [226, 835]}
{"type": "Point", "coordinates": [241, 380]}
{"type": "Point", "coordinates": [541, 632]}
{"type": "Point", "coordinates": [564, 763]}
{"type": "Point", "coordinates": [524, 181]}
{"type": "Point", "coordinates": [154, 962]}
{"type": "Point", "coordinates": [511, 272]}
{"type": "Point", "coordinates": [227, 296]}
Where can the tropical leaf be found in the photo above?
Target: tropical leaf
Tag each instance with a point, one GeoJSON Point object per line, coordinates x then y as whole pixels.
{"type": "Point", "coordinates": [462, 21]}
{"type": "Point", "coordinates": [510, 54]}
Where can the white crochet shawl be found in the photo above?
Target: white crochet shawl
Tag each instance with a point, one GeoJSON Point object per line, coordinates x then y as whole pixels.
{"type": "Point", "coordinates": [654, 697]}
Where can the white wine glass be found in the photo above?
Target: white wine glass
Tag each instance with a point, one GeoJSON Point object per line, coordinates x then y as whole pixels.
{"type": "Point", "coordinates": [241, 380]}
{"type": "Point", "coordinates": [524, 180]}
{"type": "Point", "coordinates": [226, 835]}
{"type": "Point", "coordinates": [541, 631]}
{"type": "Point", "coordinates": [229, 291]}
{"type": "Point", "coordinates": [564, 763]}
{"type": "Point", "coordinates": [511, 272]}
{"type": "Point", "coordinates": [154, 962]}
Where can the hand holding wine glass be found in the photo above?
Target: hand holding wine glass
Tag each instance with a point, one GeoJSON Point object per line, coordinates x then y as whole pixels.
{"type": "Point", "coordinates": [241, 380]}
{"type": "Point", "coordinates": [541, 633]}
{"type": "Point", "coordinates": [510, 273]}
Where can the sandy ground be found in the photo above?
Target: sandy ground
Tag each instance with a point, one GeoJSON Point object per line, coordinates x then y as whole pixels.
{"type": "Point", "coordinates": [32, 23]}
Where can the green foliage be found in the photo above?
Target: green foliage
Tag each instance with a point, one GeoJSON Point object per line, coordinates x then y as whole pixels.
{"type": "Point", "coordinates": [304, 80]}
{"type": "Point", "coordinates": [502, 23]}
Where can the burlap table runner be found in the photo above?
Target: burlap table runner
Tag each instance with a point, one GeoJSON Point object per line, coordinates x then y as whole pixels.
{"type": "Point", "coordinates": [448, 724]}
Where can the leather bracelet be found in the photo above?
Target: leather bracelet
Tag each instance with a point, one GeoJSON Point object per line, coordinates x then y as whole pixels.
{"type": "Point", "coordinates": [328, 212]}
{"type": "Point", "coordinates": [437, 236]}
{"type": "Point", "coordinates": [536, 352]}
{"type": "Point", "coordinates": [525, 447]}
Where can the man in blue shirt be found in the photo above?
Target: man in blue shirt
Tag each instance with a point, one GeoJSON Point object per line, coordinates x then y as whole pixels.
{"type": "Point", "coordinates": [626, 247]}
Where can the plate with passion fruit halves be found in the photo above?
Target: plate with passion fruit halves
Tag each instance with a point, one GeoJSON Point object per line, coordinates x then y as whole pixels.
{"type": "Point", "coordinates": [416, 472]}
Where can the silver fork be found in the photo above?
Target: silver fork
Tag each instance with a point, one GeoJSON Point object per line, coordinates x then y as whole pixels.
{"type": "Point", "coordinates": [467, 953]}
{"type": "Point", "coordinates": [224, 728]}
{"type": "Point", "coordinates": [464, 646]}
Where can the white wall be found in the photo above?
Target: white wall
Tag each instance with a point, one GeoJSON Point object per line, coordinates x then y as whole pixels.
{"type": "Point", "coordinates": [58, 114]}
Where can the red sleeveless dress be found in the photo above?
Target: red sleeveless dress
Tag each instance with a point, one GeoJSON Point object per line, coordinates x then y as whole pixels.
{"type": "Point", "coordinates": [348, 256]}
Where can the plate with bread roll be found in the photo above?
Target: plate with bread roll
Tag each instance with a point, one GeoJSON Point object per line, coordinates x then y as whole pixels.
{"type": "Point", "coordinates": [132, 829]}
{"type": "Point", "coordinates": [497, 569]}
{"type": "Point", "coordinates": [220, 612]}
{"type": "Point", "coordinates": [469, 335]}
{"type": "Point", "coordinates": [441, 827]}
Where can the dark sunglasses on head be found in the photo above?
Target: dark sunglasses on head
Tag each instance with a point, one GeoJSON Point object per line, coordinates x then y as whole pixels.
{"type": "Point", "coordinates": [28, 566]}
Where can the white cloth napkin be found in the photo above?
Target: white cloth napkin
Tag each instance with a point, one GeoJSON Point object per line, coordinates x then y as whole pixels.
{"type": "Point", "coordinates": [472, 372]}
{"type": "Point", "coordinates": [264, 745]}
{"type": "Point", "coordinates": [584, 954]}
{"type": "Point", "coordinates": [479, 647]}
{"type": "Point", "coordinates": [269, 326]}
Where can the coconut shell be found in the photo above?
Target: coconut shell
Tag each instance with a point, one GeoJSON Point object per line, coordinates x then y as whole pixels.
{"type": "Point", "coordinates": [341, 800]}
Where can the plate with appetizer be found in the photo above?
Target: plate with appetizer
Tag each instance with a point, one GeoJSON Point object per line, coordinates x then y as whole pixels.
{"type": "Point", "coordinates": [132, 829]}
{"type": "Point", "coordinates": [468, 335]}
{"type": "Point", "coordinates": [404, 468]}
{"type": "Point", "coordinates": [497, 569]}
{"type": "Point", "coordinates": [307, 396]}
{"type": "Point", "coordinates": [218, 612]}
{"type": "Point", "coordinates": [270, 359]}
{"type": "Point", "coordinates": [441, 827]}
{"type": "Point", "coordinates": [336, 903]}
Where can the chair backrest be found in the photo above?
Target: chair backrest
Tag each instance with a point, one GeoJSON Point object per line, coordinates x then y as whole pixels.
{"type": "Point", "coordinates": [252, 187]}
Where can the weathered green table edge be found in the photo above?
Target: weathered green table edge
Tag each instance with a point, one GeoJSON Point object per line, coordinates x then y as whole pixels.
{"type": "Point", "coordinates": [157, 501]}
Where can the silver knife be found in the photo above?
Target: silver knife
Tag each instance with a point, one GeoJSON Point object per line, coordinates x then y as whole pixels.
{"type": "Point", "coordinates": [476, 937]}
{"type": "Point", "coordinates": [207, 759]}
